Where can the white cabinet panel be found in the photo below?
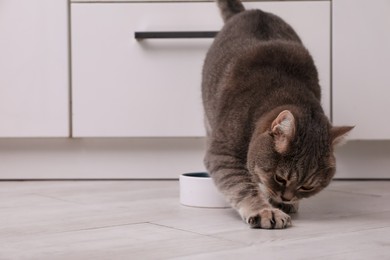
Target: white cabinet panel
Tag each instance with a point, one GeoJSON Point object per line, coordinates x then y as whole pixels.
{"type": "Point", "coordinates": [124, 87]}
{"type": "Point", "coordinates": [34, 81]}
{"type": "Point", "coordinates": [361, 66]}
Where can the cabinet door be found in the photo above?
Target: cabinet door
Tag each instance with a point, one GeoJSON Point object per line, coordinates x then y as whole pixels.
{"type": "Point", "coordinates": [361, 62]}
{"type": "Point", "coordinates": [34, 65]}
{"type": "Point", "coordinates": [124, 87]}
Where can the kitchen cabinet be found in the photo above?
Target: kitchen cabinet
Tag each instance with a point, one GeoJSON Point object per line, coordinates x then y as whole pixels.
{"type": "Point", "coordinates": [124, 87]}
{"type": "Point", "coordinates": [361, 62]}
{"type": "Point", "coordinates": [34, 74]}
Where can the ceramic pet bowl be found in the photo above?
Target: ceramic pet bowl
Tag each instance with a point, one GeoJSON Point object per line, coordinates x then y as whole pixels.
{"type": "Point", "coordinates": [197, 189]}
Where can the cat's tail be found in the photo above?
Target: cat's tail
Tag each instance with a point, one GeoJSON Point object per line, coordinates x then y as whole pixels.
{"type": "Point", "coordinates": [230, 8]}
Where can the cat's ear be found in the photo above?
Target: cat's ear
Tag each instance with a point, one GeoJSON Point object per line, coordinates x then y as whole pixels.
{"type": "Point", "coordinates": [338, 134]}
{"type": "Point", "coordinates": [283, 130]}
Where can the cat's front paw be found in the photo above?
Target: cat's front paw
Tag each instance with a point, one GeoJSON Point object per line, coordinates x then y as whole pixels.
{"type": "Point", "coordinates": [269, 218]}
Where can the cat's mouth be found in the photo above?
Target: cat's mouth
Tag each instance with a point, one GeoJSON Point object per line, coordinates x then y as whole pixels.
{"type": "Point", "coordinates": [277, 201]}
{"type": "Point", "coordinates": [274, 198]}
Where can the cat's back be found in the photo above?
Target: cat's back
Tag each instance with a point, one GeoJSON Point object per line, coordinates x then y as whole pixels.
{"type": "Point", "coordinates": [255, 63]}
{"type": "Point", "coordinates": [242, 36]}
{"type": "Point", "coordinates": [246, 30]}
{"type": "Point", "coordinates": [258, 25]}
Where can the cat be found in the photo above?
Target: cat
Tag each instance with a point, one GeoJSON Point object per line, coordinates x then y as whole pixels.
{"type": "Point", "coordinates": [269, 143]}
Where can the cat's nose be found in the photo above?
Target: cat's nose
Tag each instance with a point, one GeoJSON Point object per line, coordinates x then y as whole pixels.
{"type": "Point", "coordinates": [287, 196]}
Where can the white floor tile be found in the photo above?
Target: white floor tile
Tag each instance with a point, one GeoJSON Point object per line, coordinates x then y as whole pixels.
{"type": "Point", "coordinates": [144, 220]}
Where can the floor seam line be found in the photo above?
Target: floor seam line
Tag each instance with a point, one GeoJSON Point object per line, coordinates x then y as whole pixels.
{"type": "Point", "coordinates": [196, 233]}
{"type": "Point", "coordinates": [103, 227]}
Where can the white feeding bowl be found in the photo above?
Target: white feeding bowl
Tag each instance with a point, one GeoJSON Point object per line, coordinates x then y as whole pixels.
{"type": "Point", "coordinates": [197, 189]}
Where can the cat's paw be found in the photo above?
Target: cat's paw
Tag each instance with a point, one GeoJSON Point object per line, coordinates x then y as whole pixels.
{"type": "Point", "coordinates": [269, 218]}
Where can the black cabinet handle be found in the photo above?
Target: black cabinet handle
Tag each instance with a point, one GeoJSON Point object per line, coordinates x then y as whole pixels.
{"type": "Point", "coordinates": [174, 35]}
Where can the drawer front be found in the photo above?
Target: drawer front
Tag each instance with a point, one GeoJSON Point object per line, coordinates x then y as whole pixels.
{"type": "Point", "coordinates": [361, 62]}
{"type": "Point", "coordinates": [34, 69]}
{"type": "Point", "coordinates": [123, 87]}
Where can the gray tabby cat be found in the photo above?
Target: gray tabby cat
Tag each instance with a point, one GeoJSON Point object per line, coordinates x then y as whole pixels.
{"type": "Point", "coordinates": [269, 141]}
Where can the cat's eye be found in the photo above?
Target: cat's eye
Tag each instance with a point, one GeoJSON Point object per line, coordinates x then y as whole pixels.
{"type": "Point", "coordinates": [279, 179]}
{"type": "Point", "coordinates": [306, 188]}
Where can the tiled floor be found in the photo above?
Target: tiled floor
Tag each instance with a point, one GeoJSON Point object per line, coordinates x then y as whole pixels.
{"type": "Point", "coordinates": [144, 220]}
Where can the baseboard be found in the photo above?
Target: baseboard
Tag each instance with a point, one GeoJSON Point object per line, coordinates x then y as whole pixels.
{"type": "Point", "coordinates": [151, 158]}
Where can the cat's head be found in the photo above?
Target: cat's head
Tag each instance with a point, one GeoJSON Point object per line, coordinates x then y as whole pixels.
{"type": "Point", "coordinates": [292, 155]}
